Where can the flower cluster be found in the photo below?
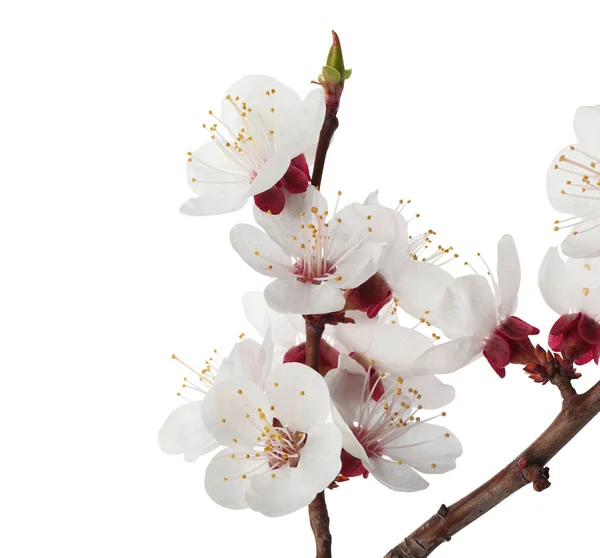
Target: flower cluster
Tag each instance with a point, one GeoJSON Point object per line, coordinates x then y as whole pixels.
{"type": "Point", "coordinates": [385, 311]}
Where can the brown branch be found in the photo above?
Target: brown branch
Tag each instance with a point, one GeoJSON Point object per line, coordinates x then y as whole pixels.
{"type": "Point", "coordinates": [330, 125]}
{"type": "Point", "coordinates": [317, 510]}
{"type": "Point", "coordinates": [529, 467]}
{"type": "Point", "coordinates": [319, 521]}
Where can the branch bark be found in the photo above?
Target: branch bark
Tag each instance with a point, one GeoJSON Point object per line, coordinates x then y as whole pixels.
{"type": "Point", "coordinates": [317, 510]}
{"type": "Point", "coordinates": [528, 467]}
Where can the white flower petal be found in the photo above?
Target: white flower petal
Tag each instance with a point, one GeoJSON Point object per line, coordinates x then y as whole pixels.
{"type": "Point", "coordinates": [434, 393]}
{"type": "Point", "coordinates": [288, 489]}
{"type": "Point", "coordinates": [223, 479]}
{"type": "Point", "coordinates": [278, 493]}
{"type": "Point", "coordinates": [295, 297]}
{"type": "Point", "coordinates": [582, 283]}
{"type": "Point", "coordinates": [320, 459]}
{"type": "Point", "coordinates": [561, 181]}
{"type": "Point", "coordinates": [299, 395]}
{"type": "Point", "coordinates": [449, 357]}
{"type": "Point", "coordinates": [259, 251]}
{"type": "Point", "coordinates": [419, 286]}
{"type": "Point", "coordinates": [226, 406]}
{"type": "Point", "coordinates": [285, 329]}
{"type": "Point", "coordinates": [184, 432]}
{"type": "Point", "coordinates": [586, 242]}
{"type": "Point", "coordinates": [359, 264]}
{"type": "Point", "coordinates": [402, 478]}
{"type": "Point", "coordinates": [272, 171]}
{"type": "Point", "coordinates": [424, 445]}
{"type": "Point", "coordinates": [282, 227]}
{"type": "Point", "coordinates": [509, 275]}
{"type": "Point", "coordinates": [349, 441]}
{"type": "Point", "coordinates": [553, 281]}
{"type": "Point", "coordinates": [587, 129]}
{"type": "Point", "coordinates": [246, 360]}
{"type": "Point", "coordinates": [346, 386]}
{"type": "Point", "coordinates": [312, 122]}
{"type": "Point", "coordinates": [468, 308]}
{"type": "Point", "coordinates": [283, 120]}
{"type": "Point", "coordinates": [393, 348]}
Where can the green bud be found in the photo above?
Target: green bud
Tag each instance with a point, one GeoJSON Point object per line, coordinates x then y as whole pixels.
{"type": "Point", "coordinates": [334, 71]}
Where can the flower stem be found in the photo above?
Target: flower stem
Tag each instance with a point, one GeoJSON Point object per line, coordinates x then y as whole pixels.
{"type": "Point", "coordinates": [319, 522]}
{"type": "Point", "coordinates": [529, 467]}
{"type": "Point", "coordinates": [317, 510]}
{"type": "Point", "coordinates": [330, 125]}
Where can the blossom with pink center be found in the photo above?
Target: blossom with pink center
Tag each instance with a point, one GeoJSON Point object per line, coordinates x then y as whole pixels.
{"type": "Point", "coordinates": [573, 185]}
{"type": "Point", "coordinates": [314, 255]}
{"type": "Point", "coordinates": [572, 289]}
{"type": "Point", "coordinates": [387, 437]}
{"type": "Point", "coordinates": [184, 432]}
{"type": "Point", "coordinates": [261, 146]}
{"type": "Point", "coordinates": [477, 315]}
{"type": "Point", "coordinates": [279, 452]}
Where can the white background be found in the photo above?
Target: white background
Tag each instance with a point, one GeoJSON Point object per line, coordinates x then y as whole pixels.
{"type": "Point", "coordinates": [459, 105]}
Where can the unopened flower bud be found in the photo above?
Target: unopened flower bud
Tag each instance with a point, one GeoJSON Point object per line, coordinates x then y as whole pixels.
{"type": "Point", "coordinates": [370, 297]}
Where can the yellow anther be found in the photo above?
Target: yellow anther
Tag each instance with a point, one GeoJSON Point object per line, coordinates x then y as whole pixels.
{"type": "Point", "coordinates": [302, 393]}
{"type": "Point", "coordinates": [314, 209]}
{"type": "Point", "coordinates": [240, 392]}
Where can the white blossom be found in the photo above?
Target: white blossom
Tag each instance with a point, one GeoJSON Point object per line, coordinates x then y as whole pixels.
{"type": "Point", "coordinates": [280, 451]}
{"type": "Point", "coordinates": [261, 145]}
{"type": "Point", "coordinates": [573, 183]}
{"type": "Point", "coordinates": [184, 431]}
{"type": "Point", "coordinates": [385, 431]}
{"type": "Point", "coordinates": [313, 255]}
